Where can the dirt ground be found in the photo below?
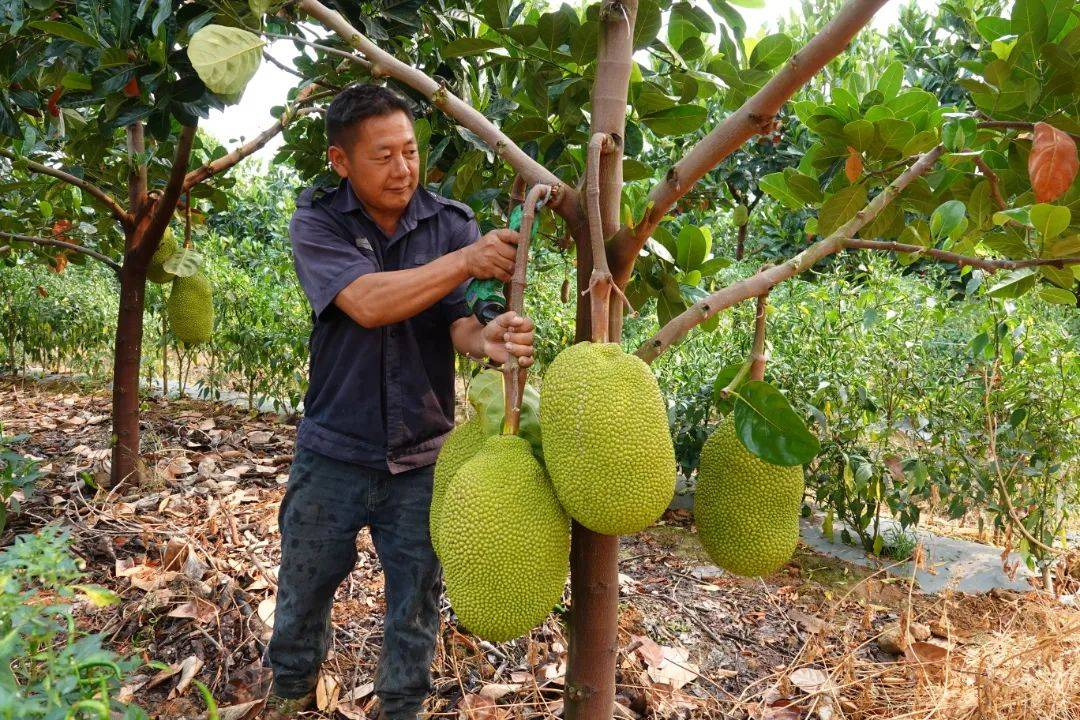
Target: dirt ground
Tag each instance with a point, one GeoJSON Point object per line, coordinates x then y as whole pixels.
{"type": "Point", "coordinates": [193, 554]}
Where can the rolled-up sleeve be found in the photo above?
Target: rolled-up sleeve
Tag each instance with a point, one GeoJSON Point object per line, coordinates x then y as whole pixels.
{"type": "Point", "coordinates": [325, 257]}
{"type": "Point", "coordinates": [464, 233]}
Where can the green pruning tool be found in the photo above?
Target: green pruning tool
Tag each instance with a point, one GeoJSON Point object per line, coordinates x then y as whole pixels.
{"type": "Point", "coordinates": [485, 298]}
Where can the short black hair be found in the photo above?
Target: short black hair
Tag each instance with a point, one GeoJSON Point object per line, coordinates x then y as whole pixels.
{"type": "Point", "coordinates": [357, 103]}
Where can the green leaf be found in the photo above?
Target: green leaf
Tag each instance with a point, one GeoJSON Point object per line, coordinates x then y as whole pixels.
{"type": "Point", "coordinates": [185, 262]}
{"type": "Point", "coordinates": [1029, 16]}
{"type": "Point", "coordinates": [76, 81]}
{"type": "Point", "coordinates": [919, 144]}
{"type": "Point", "coordinates": [991, 28]}
{"type": "Point", "coordinates": [723, 378]}
{"type": "Point", "coordinates": [98, 596]}
{"type": "Point", "coordinates": [1050, 220]}
{"type": "Point", "coordinates": [770, 429]}
{"type": "Point", "coordinates": [225, 58]}
{"type": "Point", "coordinates": [890, 80]}
{"type": "Point", "coordinates": [859, 134]}
{"type": "Point", "coordinates": [554, 29]}
{"type": "Point", "coordinates": [1062, 277]}
{"type": "Point", "coordinates": [713, 265]}
{"type": "Point", "coordinates": [693, 247]}
{"type": "Point", "coordinates": [635, 170]}
{"type": "Point", "coordinates": [946, 218]}
{"type": "Point", "coordinates": [1014, 284]}
{"type": "Point", "coordinates": [463, 47]}
{"type": "Point", "coordinates": [584, 43]}
{"type": "Point", "coordinates": [752, 4]}
{"type": "Point", "coordinates": [910, 102]}
{"type": "Point", "coordinates": [677, 120]}
{"type": "Point", "coordinates": [740, 215]}
{"type": "Point", "coordinates": [647, 23]}
{"type": "Point", "coordinates": [803, 186]}
{"type": "Point", "coordinates": [771, 51]}
{"type": "Point", "coordinates": [66, 31]}
{"type": "Point", "coordinates": [776, 186]}
{"type": "Point", "coordinates": [1064, 247]}
{"type": "Point", "coordinates": [894, 133]}
{"type": "Point", "coordinates": [839, 208]}
{"type": "Point", "coordinates": [1021, 215]}
{"type": "Point", "coordinates": [1057, 296]}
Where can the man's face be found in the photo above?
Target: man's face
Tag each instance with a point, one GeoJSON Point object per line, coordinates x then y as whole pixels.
{"type": "Point", "coordinates": [382, 162]}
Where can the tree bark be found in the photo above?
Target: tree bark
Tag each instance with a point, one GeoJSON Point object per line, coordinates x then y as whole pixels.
{"type": "Point", "coordinates": [740, 242]}
{"type": "Point", "coordinates": [126, 361]}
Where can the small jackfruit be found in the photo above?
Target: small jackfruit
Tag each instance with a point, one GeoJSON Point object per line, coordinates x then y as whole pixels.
{"type": "Point", "coordinates": [165, 250]}
{"type": "Point", "coordinates": [747, 510]}
{"type": "Point", "coordinates": [505, 541]}
{"type": "Point", "coordinates": [460, 445]}
{"type": "Point", "coordinates": [191, 309]}
{"type": "Point", "coordinates": [607, 443]}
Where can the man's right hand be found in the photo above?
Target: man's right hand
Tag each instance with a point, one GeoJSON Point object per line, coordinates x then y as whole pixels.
{"type": "Point", "coordinates": [492, 255]}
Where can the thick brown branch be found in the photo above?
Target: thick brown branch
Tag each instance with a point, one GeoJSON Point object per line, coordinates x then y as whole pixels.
{"type": "Point", "coordinates": [225, 162]}
{"type": "Point", "coordinates": [988, 264]}
{"type": "Point", "coordinates": [563, 199]}
{"type": "Point", "coordinates": [114, 207]}
{"type": "Point", "coordinates": [65, 245]}
{"type": "Point", "coordinates": [166, 204]}
{"type": "Point", "coordinates": [757, 350]}
{"type": "Point", "coordinates": [136, 147]}
{"type": "Point", "coordinates": [513, 373]}
{"type": "Point", "coordinates": [755, 116]}
{"type": "Point", "coordinates": [764, 280]}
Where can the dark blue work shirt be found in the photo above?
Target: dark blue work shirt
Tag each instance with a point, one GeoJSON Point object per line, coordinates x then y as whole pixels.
{"type": "Point", "coordinates": [380, 397]}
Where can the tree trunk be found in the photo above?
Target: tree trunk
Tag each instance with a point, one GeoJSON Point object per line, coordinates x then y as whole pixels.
{"type": "Point", "coordinates": [594, 625]}
{"type": "Point", "coordinates": [740, 242]}
{"type": "Point", "coordinates": [125, 410]}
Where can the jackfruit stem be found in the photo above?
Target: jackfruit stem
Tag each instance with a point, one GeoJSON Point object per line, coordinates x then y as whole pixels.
{"type": "Point", "coordinates": [739, 379]}
{"type": "Point", "coordinates": [757, 350]}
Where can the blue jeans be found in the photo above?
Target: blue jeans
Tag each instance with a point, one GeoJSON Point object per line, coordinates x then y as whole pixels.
{"type": "Point", "coordinates": [326, 504]}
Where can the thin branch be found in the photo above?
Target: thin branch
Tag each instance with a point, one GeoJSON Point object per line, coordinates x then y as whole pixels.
{"type": "Point", "coordinates": [600, 279]}
{"type": "Point", "coordinates": [564, 198]}
{"type": "Point", "coordinates": [757, 350]}
{"type": "Point", "coordinates": [65, 245]}
{"type": "Point", "coordinates": [990, 265]}
{"type": "Point", "coordinates": [755, 116]}
{"type": "Point", "coordinates": [764, 280]}
{"type": "Point", "coordinates": [166, 204]}
{"type": "Point", "coordinates": [118, 212]}
{"type": "Point", "coordinates": [136, 146]}
{"type": "Point", "coordinates": [325, 48]}
{"type": "Point", "coordinates": [225, 162]}
{"type": "Point", "coordinates": [513, 373]}
{"type": "Point", "coordinates": [992, 178]}
{"type": "Point", "coordinates": [282, 66]}
{"type": "Point", "coordinates": [1016, 125]}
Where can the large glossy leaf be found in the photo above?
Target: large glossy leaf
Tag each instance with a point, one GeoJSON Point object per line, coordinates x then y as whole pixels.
{"type": "Point", "coordinates": [678, 120]}
{"type": "Point", "coordinates": [771, 52]}
{"type": "Point", "coordinates": [890, 80]}
{"type": "Point", "coordinates": [486, 396]}
{"type": "Point", "coordinates": [1050, 220]}
{"type": "Point", "coordinates": [185, 262]}
{"type": "Point", "coordinates": [66, 31]}
{"type": "Point", "coordinates": [225, 58]}
{"type": "Point", "coordinates": [839, 208]}
{"type": "Point", "coordinates": [776, 186]}
{"type": "Point", "coordinates": [465, 46]}
{"type": "Point", "coordinates": [769, 428]}
{"type": "Point", "coordinates": [1014, 284]}
{"type": "Point", "coordinates": [946, 218]}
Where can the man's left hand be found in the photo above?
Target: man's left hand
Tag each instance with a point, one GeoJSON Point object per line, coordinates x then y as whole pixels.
{"type": "Point", "coordinates": [507, 335]}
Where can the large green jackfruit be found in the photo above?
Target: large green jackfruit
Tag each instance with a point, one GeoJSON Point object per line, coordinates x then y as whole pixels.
{"type": "Point", "coordinates": [191, 309]}
{"type": "Point", "coordinates": [607, 443]}
{"type": "Point", "coordinates": [460, 445]}
{"type": "Point", "coordinates": [505, 541]}
{"type": "Point", "coordinates": [747, 510]}
{"type": "Point", "coordinates": [165, 250]}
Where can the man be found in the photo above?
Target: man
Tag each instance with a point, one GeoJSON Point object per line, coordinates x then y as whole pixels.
{"type": "Point", "coordinates": [384, 265]}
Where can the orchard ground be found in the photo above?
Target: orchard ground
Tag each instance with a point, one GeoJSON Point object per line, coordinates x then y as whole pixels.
{"type": "Point", "coordinates": [192, 553]}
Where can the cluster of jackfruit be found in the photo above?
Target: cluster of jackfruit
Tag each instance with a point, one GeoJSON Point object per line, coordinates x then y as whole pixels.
{"type": "Point", "coordinates": [500, 520]}
{"type": "Point", "coordinates": [747, 510]}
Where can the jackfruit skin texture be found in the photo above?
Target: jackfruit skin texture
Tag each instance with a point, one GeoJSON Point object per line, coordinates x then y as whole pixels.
{"type": "Point", "coordinates": [460, 445]}
{"type": "Point", "coordinates": [747, 510]}
{"type": "Point", "coordinates": [606, 439]}
{"type": "Point", "coordinates": [505, 541]}
{"type": "Point", "coordinates": [165, 250]}
{"type": "Point", "coordinates": [191, 309]}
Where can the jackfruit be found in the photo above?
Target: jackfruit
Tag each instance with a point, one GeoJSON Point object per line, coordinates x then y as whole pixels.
{"type": "Point", "coordinates": [747, 510]}
{"type": "Point", "coordinates": [165, 250]}
{"type": "Point", "coordinates": [505, 541]}
{"type": "Point", "coordinates": [606, 439]}
{"type": "Point", "coordinates": [460, 445]}
{"type": "Point", "coordinates": [191, 309]}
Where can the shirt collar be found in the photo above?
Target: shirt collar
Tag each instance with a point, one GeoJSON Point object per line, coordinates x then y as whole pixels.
{"type": "Point", "coordinates": [421, 205]}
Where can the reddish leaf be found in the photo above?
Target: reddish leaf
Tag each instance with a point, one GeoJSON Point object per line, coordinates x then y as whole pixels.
{"type": "Point", "coordinates": [853, 166]}
{"type": "Point", "coordinates": [54, 98]}
{"type": "Point", "coordinates": [132, 88]}
{"type": "Point", "coordinates": [1052, 164]}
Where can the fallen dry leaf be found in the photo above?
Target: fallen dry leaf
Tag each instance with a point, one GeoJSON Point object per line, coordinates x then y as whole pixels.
{"type": "Point", "coordinates": [327, 691]}
{"type": "Point", "coordinates": [189, 668]}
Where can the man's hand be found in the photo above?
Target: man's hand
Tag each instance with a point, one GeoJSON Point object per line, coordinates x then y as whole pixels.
{"type": "Point", "coordinates": [492, 255]}
{"type": "Point", "coordinates": [509, 334]}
